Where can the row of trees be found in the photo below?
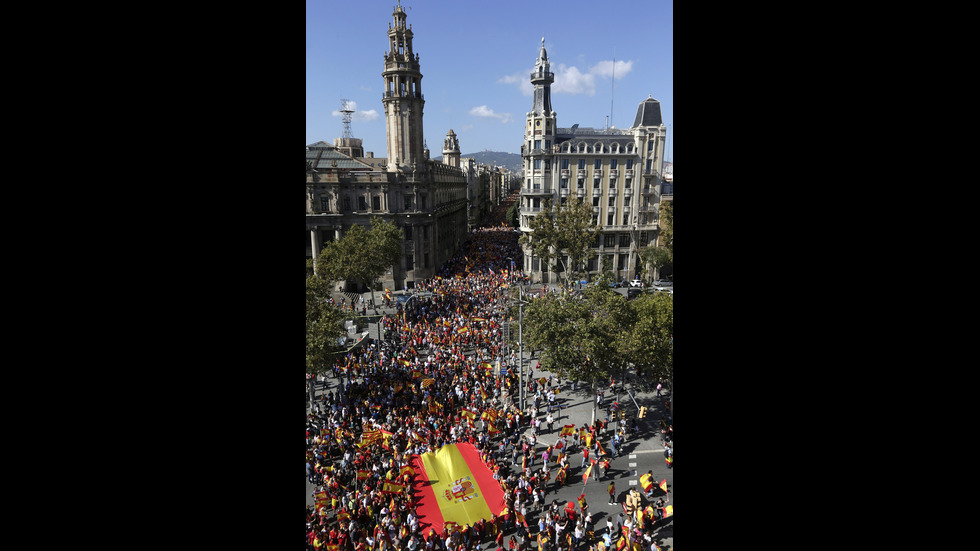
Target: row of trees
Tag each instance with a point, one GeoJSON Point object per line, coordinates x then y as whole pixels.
{"type": "Point", "coordinates": [565, 234]}
{"type": "Point", "coordinates": [597, 333]}
{"type": "Point", "coordinates": [363, 255]}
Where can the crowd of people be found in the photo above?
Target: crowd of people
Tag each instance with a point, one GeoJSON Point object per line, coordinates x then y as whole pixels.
{"type": "Point", "coordinates": [435, 382]}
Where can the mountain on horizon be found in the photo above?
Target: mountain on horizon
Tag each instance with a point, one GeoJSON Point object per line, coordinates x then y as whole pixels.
{"type": "Point", "coordinates": [511, 161]}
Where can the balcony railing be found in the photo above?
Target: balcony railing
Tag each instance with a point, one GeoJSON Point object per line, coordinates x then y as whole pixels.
{"type": "Point", "coordinates": [564, 173]}
{"type": "Point", "coordinates": [613, 172]}
{"type": "Point", "coordinates": [629, 173]}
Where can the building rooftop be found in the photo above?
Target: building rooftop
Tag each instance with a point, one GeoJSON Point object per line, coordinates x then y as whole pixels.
{"type": "Point", "coordinates": [322, 156]}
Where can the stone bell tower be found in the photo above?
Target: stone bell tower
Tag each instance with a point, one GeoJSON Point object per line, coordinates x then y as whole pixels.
{"type": "Point", "coordinates": [402, 99]}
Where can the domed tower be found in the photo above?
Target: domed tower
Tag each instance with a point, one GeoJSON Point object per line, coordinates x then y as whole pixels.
{"type": "Point", "coordinates": [539, 130]}
{"type": "Point", "coordinates": [450, 151]}
{"type": "Point", "coordinates": [403, 99]}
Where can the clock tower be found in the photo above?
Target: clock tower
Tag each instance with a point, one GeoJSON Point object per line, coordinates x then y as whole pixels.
{"type": "Point", "coordinates": [402, 99]}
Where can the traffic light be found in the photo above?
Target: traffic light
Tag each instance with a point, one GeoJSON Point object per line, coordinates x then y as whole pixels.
{"type": "Point", "coordinates": [643, 412]}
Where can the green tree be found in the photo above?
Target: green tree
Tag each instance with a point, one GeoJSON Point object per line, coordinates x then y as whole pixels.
{"type": "Point", "coordinates": [560, 232]}
{"type": "Point", "coordinates": [580, 336]}
{"type": "Point", "coordinates": [362, 255]}
{"type": "Point", "coordinates": [324, 327]}
{"type": "Point", "coordinates": [648, 341]}
{"type": "Point", "coordinates": [655, 257]}
{"type": "Point", "coordinates": [512, 216]}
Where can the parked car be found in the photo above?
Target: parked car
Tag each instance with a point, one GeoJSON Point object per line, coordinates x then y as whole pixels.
{"type": "Point", "coordinates": [637, 282]}
{"type": "Point", "coordinates": [664, 283]}
{"type": "Point", "coordinates": [633, 293]}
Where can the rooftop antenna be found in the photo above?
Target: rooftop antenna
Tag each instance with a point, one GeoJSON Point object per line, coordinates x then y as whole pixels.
{"type": "Point", "coordinates": [347, 109]}
{"type": "Point", "coordinates": [613, 87]}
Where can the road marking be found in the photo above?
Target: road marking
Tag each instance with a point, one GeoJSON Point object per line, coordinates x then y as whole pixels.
{"type": "Point", "coordinates": [633, 483]}
{"type": "Point", "coordinates": [632, 456]}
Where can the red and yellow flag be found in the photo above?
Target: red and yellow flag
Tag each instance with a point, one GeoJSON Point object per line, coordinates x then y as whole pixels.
{"type": "Point", "coordinates": [363, 475]}
{"type": "Point", "coordinates": [645, 482]}
{"type": "Point", "coordinates": [585, 476]}
{"type": "Point", "coordinates": [393, 487]}
{"type": "Point", "coordinates": [567, 430]}
{"type": "Point", "coordinates": [663, 485]}
{"type": "Point", "coordinates": [455, 486]}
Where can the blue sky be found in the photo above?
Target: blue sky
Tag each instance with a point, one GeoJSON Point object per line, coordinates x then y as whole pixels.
{"type": "Point", "coordinates": [476, 58]}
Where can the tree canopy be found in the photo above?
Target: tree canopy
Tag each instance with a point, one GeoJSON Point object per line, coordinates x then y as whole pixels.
{"type": "Point", "coordinates": [324, 324]}
{"type": "Point", "coordinates": [565, 230]}
{"type": "Point", "coordinates": [362, 255]}
{"type": "Point", "coordinates": [596, 334]}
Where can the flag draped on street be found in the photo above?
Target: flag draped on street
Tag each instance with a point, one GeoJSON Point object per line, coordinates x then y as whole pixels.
{"type": "Point", "coordinates": [454, 485]}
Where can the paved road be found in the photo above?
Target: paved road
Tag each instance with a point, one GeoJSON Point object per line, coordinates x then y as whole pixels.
{"type": "Point", "coordinates": [642, 453]}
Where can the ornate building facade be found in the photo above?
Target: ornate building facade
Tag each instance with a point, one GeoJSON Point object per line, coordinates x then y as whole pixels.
{"type": "Point", "coordinates": [619, 172]}
{"type": "Point", "coordinates": [426, 198]}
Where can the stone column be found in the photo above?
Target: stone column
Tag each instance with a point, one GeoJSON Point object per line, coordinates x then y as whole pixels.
{"type": "Point", "coordinates": [315, 238]}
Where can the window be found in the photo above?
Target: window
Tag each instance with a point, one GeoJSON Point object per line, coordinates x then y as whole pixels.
{"type": "Point", "coordinates": [595, 201]}
{"type": "Point", "coordinates": [564, 164]}
{"type": "Point", "coordinates": [644, 238]}
{"type": "Point", "coordinates": [649, 165]}
{"type": "Point", "coordinates": [409, 262]}
{"type": "Point", "coordinates": [547, 164]}
{"type": "Point", "coordinates": [408, 232]}
{"type": "Point", "coordinates": [626, 201]}
{"type": "Point", "coordinates": [547, 144]}
{"type": "Point", "coordinates": [624, 240]}
{"type": "Point", "coordinates": [609, 239]}
{"type": "Point", "coordinates": [581, 184]}
{"type": "Point", "coordinates": [610, 220]}
{"type": "Point", "coordinates": [347, 204]}
{"type": "Point", "coordinates": [612, 164]}
{"type": "Point", "coordinates": [408, 202]}
{"type": "Point", "coordinates": [564, 183]}
{"type": "Point", "coordinates": [376, 202]}
{"type": "Point", "coordinates": [597, 165]}
{"type": "Point", "coordinates": [623, 261]}
{"type": "Point", "coordinates": [537, 144]}
{"type": "Point", "coordinates": [595, 184]}
{"type": "Point", "coordinates": [581, 164]}
{"type": "Point", "coordinates": [629, 164]}
{"type": "Point", "coordinates": [361, 203]}
{"type": "Point", "coordinates": [650, 145]}
{"type": "Point", "coordinates": [323, 204]}
{"type": "Point", "coordinates": [537, 164]}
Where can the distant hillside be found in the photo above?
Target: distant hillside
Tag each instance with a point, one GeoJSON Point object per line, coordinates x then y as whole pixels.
{"type": "Point", "coordinates": [511, 161]}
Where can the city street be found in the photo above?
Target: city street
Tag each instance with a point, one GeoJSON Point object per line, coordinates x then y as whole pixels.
{"type": "Point", "coordinates": [643, 452]}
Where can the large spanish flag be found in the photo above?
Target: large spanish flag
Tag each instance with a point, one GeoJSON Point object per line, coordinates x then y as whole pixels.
{"type": "Point", "coordinates": [454, 486]}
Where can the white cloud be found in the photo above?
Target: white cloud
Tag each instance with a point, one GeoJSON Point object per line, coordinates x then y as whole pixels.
{"type": "Point", "coordinates": [570, 79]}
{"type": "Point", "coordinates": [605, 68]}
{"type": "Point", "coordinates": [369, 115]}
{"type": "Point", "coordinates": [484, 111]}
